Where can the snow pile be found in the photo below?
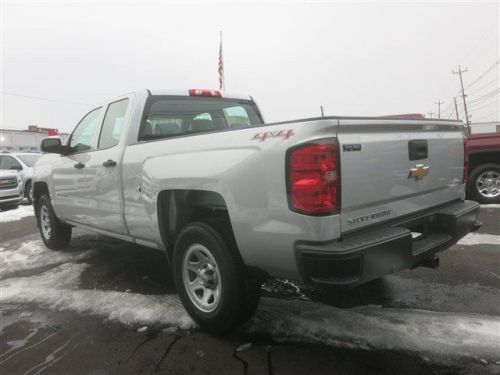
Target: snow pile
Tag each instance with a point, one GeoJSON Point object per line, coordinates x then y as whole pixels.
{"type": "Point", "coordinates": [58, 289]}
{"type": "Point", "coordinates": [480, 239]}
{"type": "Point", "coordinates": [493, 205]}
{"type": "Point", "coordinates": [16, 214]}
{"type": "Point", "coordinates": [34, 254]}
{"type": "Point", "coordinates": [441, 336]}
{"type": "Point", "coordinates": [402, 292]}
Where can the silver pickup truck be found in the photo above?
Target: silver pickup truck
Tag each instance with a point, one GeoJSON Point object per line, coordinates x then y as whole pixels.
{"type": "Point", "coordinates": [232, 200]}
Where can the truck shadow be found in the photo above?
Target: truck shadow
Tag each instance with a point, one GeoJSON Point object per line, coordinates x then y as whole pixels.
{"type": "Point", "coordinates": [126, 267]}
{"type": "Point", "coordinates": [376, 292]}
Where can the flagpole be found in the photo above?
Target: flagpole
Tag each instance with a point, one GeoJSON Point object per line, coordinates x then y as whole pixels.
{"type": "Point", "coordinates": [221, 59]}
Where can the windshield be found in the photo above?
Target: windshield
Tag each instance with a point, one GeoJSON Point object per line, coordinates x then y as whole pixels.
{"type": "Point", "coordinates": [29, 160]}
{"type": "Point", "coordinates": [168, 116]}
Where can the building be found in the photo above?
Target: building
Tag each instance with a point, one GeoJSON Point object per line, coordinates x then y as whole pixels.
{"type": "Point", "coordinates": [27, 140]}
{"type": "Point", "coordinates": [485, 127]}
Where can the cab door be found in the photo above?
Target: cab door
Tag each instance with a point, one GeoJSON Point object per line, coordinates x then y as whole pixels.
{"type": "Point", "coordinates": [71, 180]}
{"type": "Point", "coordinates": [105, 169]}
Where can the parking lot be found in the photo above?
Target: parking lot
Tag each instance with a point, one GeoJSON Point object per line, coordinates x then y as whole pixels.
{"type": "Point", "coordinates": [109, 307]}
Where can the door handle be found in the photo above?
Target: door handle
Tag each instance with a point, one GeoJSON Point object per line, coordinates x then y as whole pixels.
{"type": "Point", "coordinates": [109, 163]}
{"type": "Point", "coordinates": [79, 165]}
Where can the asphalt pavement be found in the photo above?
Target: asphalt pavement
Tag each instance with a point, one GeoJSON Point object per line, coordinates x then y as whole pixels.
{"type": "Point", "coordinates": [109, 307]}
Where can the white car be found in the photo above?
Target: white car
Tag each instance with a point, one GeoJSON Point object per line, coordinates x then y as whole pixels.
{"type": "Point", "coordinates": [24, 163]}
{"type": "Point", "coordinates": [11, 189]}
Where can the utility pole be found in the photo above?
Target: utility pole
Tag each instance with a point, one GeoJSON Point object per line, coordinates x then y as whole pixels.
{"type": "Point", "coordinates": [322, 111]}
{"type": "Point", "coordinates": [430, 114]}
{"type": "Point", "coordinates": [460, 71]}
{"type": "Point", "coordinates": [439, 102]}
{"type": "Point", "coordinates": [456, 107]}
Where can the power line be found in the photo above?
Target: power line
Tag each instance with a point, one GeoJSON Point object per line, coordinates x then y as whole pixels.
{"type": "Point", "coordinates": [449, 108]}
{"type": "Point", "coordinates": [478, 42]}
{"type": "Point", "coordinates": [485, 96]}
{"type": "Point", "coordinates": [482, 106]}
{"type": "Point", "coordinates": [482, 87]}
{"type": "Point", "coordinates": [472, 52]}
{"type": "Point", "coordinates": [484, 74]}
{"type": "Point", "coordinates": [483, 100]}
{"type": "Point", "coordinates": [44, 99]}
{"type": "Point", "coordinates": [448, 114]}
{"type": "Point", "coordinates": [486, 48]}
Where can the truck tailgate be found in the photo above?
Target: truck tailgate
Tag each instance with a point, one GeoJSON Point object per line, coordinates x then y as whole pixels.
{"type": "Point", "coordinates": [391, 168]}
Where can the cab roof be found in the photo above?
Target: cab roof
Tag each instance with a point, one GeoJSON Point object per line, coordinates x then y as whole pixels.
{"type": "Point", "coordinates": [185, 92]}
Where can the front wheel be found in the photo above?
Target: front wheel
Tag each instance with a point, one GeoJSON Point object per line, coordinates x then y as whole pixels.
{"type": "Point", "coordinates": [55, 234]}
{"type": "Point", "coordinates": [210, 277]}
{"type": "Point", "coordinates": [484, 183]}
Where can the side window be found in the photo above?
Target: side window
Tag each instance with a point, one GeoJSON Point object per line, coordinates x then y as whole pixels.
{"type": "Point", "coordinates": [237, 117]}
{"type": "Point", "coordinates": [8, 162]}
{"type": "Point", "coordinates": [113, 124]}
{"type": "Point", "coordinates": [81, 139]}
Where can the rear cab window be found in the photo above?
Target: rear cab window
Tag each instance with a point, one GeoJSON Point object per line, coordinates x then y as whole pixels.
{"type": "Point", "coordinates": [170, 116]}
{"type": "Point", "coordinates": [112, 126]}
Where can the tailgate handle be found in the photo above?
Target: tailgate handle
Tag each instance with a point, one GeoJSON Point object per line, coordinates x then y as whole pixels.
{"type": "Point", "coordinates": [417, 149]}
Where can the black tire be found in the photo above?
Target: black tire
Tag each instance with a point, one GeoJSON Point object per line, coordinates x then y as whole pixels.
{"type": "Point", "coordinates": [252, 282]}
{"type": "Point", "coordinates": [59, 235]}
{"type": "Point", "coordinates": [28, 193]}
{"type": "Point", "coordinates": [239, 295]}
{"type": "Point", "coordinates": [472, 188]}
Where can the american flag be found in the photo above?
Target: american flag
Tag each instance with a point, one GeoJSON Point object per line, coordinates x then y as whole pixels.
{"type": "Point", "coordinates": [221, 66]}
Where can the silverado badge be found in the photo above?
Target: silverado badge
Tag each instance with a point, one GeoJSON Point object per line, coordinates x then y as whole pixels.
{"type": "Point", "coordinates": [419, 172]}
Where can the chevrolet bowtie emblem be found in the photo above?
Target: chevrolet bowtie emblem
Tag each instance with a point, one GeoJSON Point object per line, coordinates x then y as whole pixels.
{"type": "Point", "coordinates": [419, 172]}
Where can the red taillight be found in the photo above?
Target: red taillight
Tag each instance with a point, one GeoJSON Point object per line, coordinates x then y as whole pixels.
{"type": "Point", "coordinates": [313, 178]}
{"type": "Point", "coordinates": [466, 160]}
{"type": "Point", "coordinates": [202, 92]}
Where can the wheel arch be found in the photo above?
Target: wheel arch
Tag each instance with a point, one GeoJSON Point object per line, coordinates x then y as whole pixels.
{"type": "Point", "coordinates": [179, 207]}
{"type": "Point", "coordinates": [28, 182]}
{"type": "Point", "coordinates": [39, 188]}
{"type": "Point", "coordinates": [483, 157]}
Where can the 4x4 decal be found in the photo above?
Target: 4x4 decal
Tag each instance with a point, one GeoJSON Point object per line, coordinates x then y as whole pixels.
{"type": "Point", "coordinates": [285, 134]}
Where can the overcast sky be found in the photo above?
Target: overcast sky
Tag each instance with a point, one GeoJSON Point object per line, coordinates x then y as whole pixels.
{"type": "Point", "coordinates": [354, 58]}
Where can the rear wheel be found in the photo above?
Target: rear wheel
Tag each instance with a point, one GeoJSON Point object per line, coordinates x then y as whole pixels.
{"type": "Point", "coordinates": [484, 183]}
{"type": "Point", "coordinates": [55, 234]}
{"type": "Point", "coordinates": [211, 279]}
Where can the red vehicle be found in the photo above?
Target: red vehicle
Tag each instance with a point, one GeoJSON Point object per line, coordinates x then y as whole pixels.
{"type": "Point", "coordinates": [483, 184]}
